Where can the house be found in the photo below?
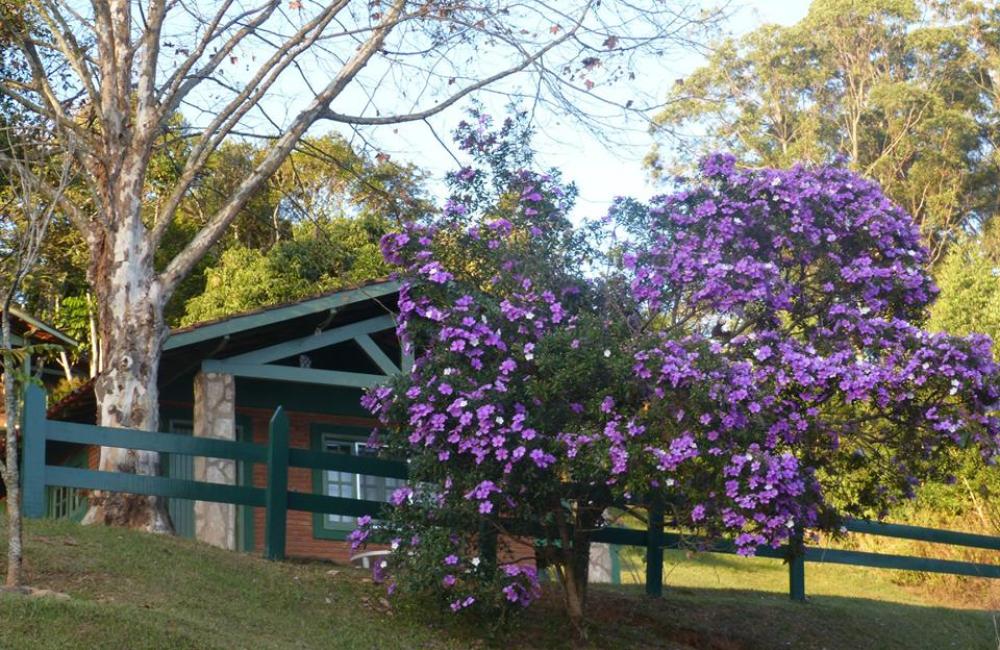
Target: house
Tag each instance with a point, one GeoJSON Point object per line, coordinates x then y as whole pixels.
{"type": "Point", "coordinates": [27, 330]}
{"type": "Point", "coordinates": [223, 379]}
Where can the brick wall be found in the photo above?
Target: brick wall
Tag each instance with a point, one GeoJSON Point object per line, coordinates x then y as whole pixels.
{"type": "Point", "coordinates": [300, 541]}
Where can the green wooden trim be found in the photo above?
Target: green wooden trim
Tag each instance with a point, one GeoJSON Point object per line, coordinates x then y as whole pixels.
{"type": "Point", "coordinates": [375, 353]}
{"type": "Point", "coordinates": [902, 562]}
{"type": "Point", "coordinates": [78, 460]}
{"type": "Point", "coordinates": [34, 428]}
{"type": "Point", "coordinates": [89, 434]}
{"type": "Point", "coordinates": [322, 529]}
{"type": "Point", "coordinates": [312, 342]}
{"type": "Point", "coordinates": [320, 503]}
{"type": "Point", "coordinates": [277, 487]}
{"type": "Point", "coordinates": [654, 552]}
{"type": "Point", "coordinates": [615, 551]}
{"type": "Point", "coordinates": [290, 373]}
{"type": "Point", "coordinates": [153, 485]}
{"type": "Point", "coordinates": [342, 463]}
{"type": "Point", "coordinates": [37, 324]}
{"type": "Point", "coordinates": [244, 471]}
{"type": "Point", "coordinates": [266, 317]}
{"type": "Point", "coordinates": [922, 534]}
{"type": "Point", "coordinates": [797, 568]}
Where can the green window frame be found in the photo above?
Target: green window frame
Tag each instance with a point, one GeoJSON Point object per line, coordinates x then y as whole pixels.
{"type": "Point", "coordinates": [345, 440]}
{"type": "Point", "coordinates": [67, 502]}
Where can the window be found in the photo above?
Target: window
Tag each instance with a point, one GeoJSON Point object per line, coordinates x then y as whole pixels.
{"type": "Point", "coordinates": [66, 502]}
{"type": "Point", "coordinates": [351, 486]}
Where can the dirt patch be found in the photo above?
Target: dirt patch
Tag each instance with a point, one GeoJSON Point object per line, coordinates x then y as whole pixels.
{"type": "Point", "coordinates": [32, 592]}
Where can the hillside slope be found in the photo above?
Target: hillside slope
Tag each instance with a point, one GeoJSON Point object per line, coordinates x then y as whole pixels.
{"type": "Point", "coordinates": [128, 589]}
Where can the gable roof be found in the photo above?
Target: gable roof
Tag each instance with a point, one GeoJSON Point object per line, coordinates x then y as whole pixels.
{"type": "Point", "coordinates": [230, 325]}
{"type": "Point", "coordinates": [34, 328]}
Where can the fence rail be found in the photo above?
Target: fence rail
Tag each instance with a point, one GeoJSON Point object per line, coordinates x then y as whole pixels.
{"type": "Point", "coordinates": [277, 499]}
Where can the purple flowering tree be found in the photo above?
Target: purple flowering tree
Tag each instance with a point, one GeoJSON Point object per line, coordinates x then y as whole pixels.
{"type": "Point", "coordinates": [746, 350]}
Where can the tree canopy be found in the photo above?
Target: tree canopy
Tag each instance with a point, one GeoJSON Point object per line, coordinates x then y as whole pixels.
{"type": "Point", "coordinates": [904, 90]}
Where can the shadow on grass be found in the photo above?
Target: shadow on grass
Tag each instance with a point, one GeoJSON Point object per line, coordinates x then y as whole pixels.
{"type": "Point", "coordinates": [737, 619]}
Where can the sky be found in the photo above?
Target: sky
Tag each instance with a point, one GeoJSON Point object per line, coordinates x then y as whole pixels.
{"type": "Point", "coordinates": [599, 172]}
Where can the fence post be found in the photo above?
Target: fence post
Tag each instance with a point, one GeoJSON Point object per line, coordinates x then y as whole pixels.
{"type": "Point", "coordinates": [276, 498]}
{"type": "Point", "coordinates": [797, 568]}
{"type": "Point", "coordinates": [33, 470]}
{"type": "Point", "coordinates": [487, 546]}
{"type": "Point", "coordinates": [654, 550]}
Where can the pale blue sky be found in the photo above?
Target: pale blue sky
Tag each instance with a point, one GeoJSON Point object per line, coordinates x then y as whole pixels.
{"type": "Point", "coordinates": [599, 172]}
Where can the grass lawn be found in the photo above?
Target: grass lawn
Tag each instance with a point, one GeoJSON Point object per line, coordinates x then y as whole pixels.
{"type": "Point", "coordinates": [132, 590]}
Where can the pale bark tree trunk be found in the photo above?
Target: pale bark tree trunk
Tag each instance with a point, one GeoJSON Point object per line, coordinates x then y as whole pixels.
{"type": "Point", "coordinates": [130, 300]}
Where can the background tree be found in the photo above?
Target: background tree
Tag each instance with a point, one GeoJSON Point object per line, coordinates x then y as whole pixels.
{"type": "Point", "coordinates": [905, 90]}
{"type": "Point", "coordinates": [110, 77]}
{"type": "Point", "coordinates": [26, 156]}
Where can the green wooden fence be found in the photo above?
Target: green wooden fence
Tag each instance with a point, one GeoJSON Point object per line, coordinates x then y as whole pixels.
{"type": "Point", "coordinates": [277, 499]}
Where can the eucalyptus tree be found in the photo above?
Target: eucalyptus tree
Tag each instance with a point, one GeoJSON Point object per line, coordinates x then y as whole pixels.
{"type": "Point", "coordinates": [109, 75]}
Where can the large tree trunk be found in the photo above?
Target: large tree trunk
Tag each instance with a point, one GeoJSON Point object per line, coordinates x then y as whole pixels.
{"type": "Point", "coordinates": [130, 301]}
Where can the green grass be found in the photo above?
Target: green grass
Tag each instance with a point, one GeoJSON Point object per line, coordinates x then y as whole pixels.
{"type": "Point", "coordinates": [132, 590]}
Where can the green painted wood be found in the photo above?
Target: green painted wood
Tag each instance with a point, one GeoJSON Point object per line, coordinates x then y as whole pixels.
{"type": "Point", "coordinates": [153, 485]}
{"type": "Point", "coordinates": [34, 432]}
{"type": "Point", "coordinates": [347, 463]}
{"type": "Point", "coordinates": [89, 434]}
{"type": "Point", "coordinates": [614, 550]}
{"type": "Point", "coordinates": [269, 316]}
{"type": "Point", "coordinates": [244, 476]}
{"type": "Point", "coordinates": [34, 322]}
{"type": "Point", "coordinates": [180, 466]}
{"type": "Point", "coordinates": [276, 519]}
{"type": "Point", "coordinates": [654, 552]}
{"type": "Point", "coordinates": [902, 562]}
{"type": "Point", "coordinates": [335, 505]}
{"type": "Point", "coordinates": [797, 569]}
{"type": "Point", "coordinates": [488, 546]}
{"type": "Point", "coordinates": [922, 534]}
{"type": "Point", "coordinates": [290, 373]}
{"type": "Point", "coordinates": [375, 353]}
{"type": "Point", "coordinates": [312, 342]}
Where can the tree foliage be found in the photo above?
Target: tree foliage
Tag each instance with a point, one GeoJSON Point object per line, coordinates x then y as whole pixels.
{"type": "Point", "coordinates": [905, 90]}
{"type": "Point", "coordinates": [757, 341]}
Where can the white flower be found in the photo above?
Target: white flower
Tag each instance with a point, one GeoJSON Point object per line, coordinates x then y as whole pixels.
{"type": "Point", "coordinates": [529, 356]}
{"type": "Point", "coordinates": [394, 546]}
{"type": "Point", "coordinates": [529, 315]}
{"type": "Point", "coordinates": [790, 523]}
{"type": "Point", "coordinates": [499, 419]}
{"type": "Point", "coordinates": [670, 482]}
{"type": "Point", "coordinates": [475, 561]}
{"type": "Point", "coordinates": [607, 353]}
{"type": "Point", "coordinates": [448, 371]}
{"type": "Point", "coordinates": [383, 564]}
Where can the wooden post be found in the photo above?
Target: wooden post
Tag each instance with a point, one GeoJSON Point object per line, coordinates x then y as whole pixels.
{"type": "Point", "coordinates": [797, 568]}
{"type": "Point", "coordinates": [33, 472]}
{"type": "Point", "coordinates": [654, 550]}
{"type": "Point", "coordinates": [276, 498]}
{"type": "Point", "coordinates": [487, 546]}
